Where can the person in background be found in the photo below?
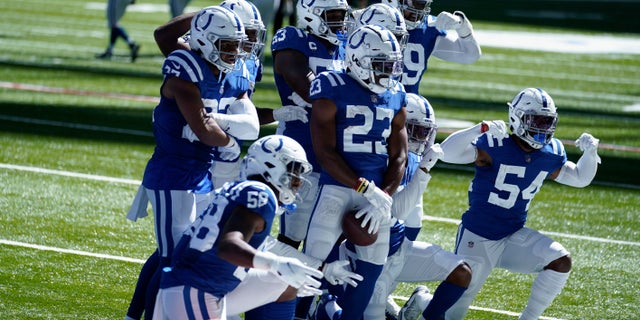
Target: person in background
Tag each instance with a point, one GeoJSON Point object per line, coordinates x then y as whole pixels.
{"type": "Point", "coordinates": [176, 7]}
{"type": "Point", "coordinates": [286, 9]}
{"type": "Point", "coordinates": [115, 12]}
{"type": "Point", "coordinates": [509, 171]}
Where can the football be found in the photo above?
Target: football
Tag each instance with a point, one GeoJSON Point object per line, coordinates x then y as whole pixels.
{"type": "Point", "coordinates": [354, 232]}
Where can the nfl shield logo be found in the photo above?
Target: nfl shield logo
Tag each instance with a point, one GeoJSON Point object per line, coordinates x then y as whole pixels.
{"type": "Point", "coordinates": [470, 244]}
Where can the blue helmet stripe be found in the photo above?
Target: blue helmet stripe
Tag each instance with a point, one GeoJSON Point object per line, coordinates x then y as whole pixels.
{"type": "Point", "coordinates": [544, 98]}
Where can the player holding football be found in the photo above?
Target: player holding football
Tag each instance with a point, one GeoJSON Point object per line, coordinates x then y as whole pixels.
{"type": "Point", "coordinates": [360, 139]}
{"type": "Point", "coordinates": [213, 255]}
{"type": "Point", "coordinates": [416, 261]}
{"type": "Point", "coordinates": [509, 170]}
{"type": "Point", "coordinates": [428, 36]}
{"type": "Point", "coordinates": [177, 179]}
{"type": "Point", "coordinates": [299, 54]}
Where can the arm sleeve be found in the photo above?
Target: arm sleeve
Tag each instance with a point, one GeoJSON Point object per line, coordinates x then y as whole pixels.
{"type": "Point", "coordinates": [458, 147]}
{"type": "Point", "coordinates": [241, 121]}
{"type": "Point", "coordinates": [460, 50]}
{"type": "Point", "coordinates": [411, 196]}
{"type": "Point", "coordinates": [581, 174]}
{"type": "Point", "coordinates": [278, 248]}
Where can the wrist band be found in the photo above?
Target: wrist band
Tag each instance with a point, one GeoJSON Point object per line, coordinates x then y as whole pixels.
{"type": "Point", "coordinates": [361, 185]}
{"type": "Point", "coordinates": [484, 127]}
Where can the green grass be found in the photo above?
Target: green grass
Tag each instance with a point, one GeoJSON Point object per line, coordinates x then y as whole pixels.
{"type": "Point", "coordinates": [77, 133]}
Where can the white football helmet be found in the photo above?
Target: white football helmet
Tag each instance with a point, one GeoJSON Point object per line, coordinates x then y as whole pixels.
{"type": "Point", "coordinates": [326, 19]}
{"type": "Point", "coordinates": [253, 25]}
{"type": "Point", "coordinates": [413, 11]}
{"type": "Point", "coordinates": [217, 31]}
{"type": "Point", "coordinates": [388, 17]}
{"type": "Point", "coordinates": [373, 58]}
{"type": "Point", "coordinates": [533, 117]}
{"type": "Point", "coordinates": [281, 161]}
{"type": "Point", "coordinates": [420, 123]}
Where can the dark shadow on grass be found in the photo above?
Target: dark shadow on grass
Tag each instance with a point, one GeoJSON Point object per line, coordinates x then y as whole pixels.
{"type": "Point", "coordinates": [86, 69]}
{"type": "Point", "coordinates": [124, 125]}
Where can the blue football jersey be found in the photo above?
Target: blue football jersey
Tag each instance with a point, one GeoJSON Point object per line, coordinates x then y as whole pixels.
{"type": "Point", "coordinates": [363, 123]}
{"type": "Point", "coordinates": [250, 68]}
{"type": "Point", "coordinates": [177, 163]}
{"type": "Point", "coordinates": [500, 194]}
{"type": "Point", "coordinates": [398, 229]}
{"type": "Point", "coordinates": [421, 42]}
{"type": "Point", "coordinates": [195, 261]}
{"type": "Point", "coordinates": [321, 58]}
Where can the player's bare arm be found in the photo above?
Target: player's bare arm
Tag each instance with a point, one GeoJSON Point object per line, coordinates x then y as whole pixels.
{"type": "Point", "coordinates": [168, 36]}
{"type": "Point", "coordinates": [233, 246]}
{"type": "Point", "coordinates": [187, 95]}
{"type": "Point", "coordinates": [397, 146]}
{"type": "Point", "coordinates": [294, 67]}
{"type": "Point", "coordinates": [483, 159]}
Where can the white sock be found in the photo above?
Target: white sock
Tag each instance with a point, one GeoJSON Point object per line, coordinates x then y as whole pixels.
{"type": "Point", "coordinates": [545, 288]}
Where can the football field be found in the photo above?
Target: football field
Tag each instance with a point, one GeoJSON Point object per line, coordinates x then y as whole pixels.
{"type": "Point", "coordinates": [75, 135]}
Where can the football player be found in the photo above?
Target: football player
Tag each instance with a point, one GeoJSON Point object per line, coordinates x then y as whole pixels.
{"type": "Point", "coordinates": [383, 15]}
{"type": "Point", "coordinates": [299, 54]}
{"type": "Point", "coordinates": [428, 36]}
{"type": "Point", "coordinates": [213, 255]}
{"type": "Point", "coordinates": [115, 11]}
{"type": "Point", "coordinates": [238, 122]}
{"type": "Point", "coordinates": [360, 140]}
{"type": "Point", "coordinates": [177, 179]}
{"type": "Point", "coordinates": [509, 170]}
{"type": "Point", "coordinates": [416, 261]}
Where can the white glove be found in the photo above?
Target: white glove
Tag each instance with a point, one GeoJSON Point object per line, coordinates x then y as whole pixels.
{"type": "Point", "coordinates": [297, 99]}
{"type": "Point", "coordinates": [496, 128]}
{"type": "Point", "coordinates": [433, 154]}
{"type": "Point", "coordinates": [447, 21]}
{"type": "Point", "coordinates": [308, 290]}
{"type": "Point", "coordinates": [231, 151]}
{"type": "Point", "coordinates": [290, 270]}
{"type": "Point", "coordinates": [377, 197]}
{"type": "Point", "coordinates": [374, 216]}
{"type": "Point", "coordinates": [465, 29]}
{"type": "Point", "coordinates": [291, 113]}
{"type": "Point", "coordinates": [588, 143]}
{"type": "Point", "coordinates": [337, 273]}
